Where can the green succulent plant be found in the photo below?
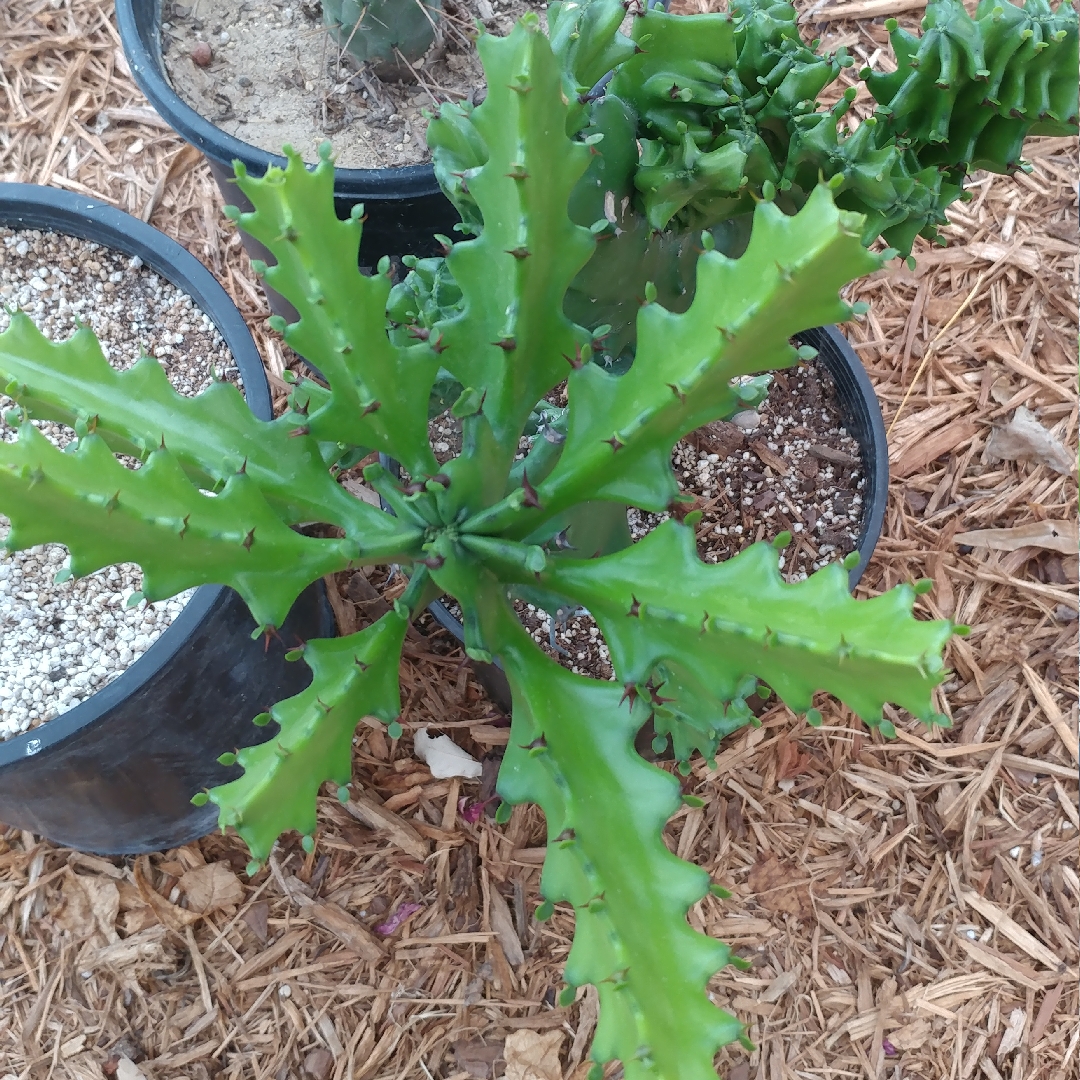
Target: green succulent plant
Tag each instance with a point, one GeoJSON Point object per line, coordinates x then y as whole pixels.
{"type": "Point", "coordinates": [705, 115]}
{"type": "Point", "coordinates": [383, 32]}
{"type": "Point", "coordinates": [219, 494]}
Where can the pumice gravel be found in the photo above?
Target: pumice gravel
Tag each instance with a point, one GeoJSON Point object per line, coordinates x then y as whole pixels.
{"type": "Point", "coordinates": [61, 643]}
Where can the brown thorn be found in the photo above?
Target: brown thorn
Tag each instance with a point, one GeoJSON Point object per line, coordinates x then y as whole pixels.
{"type": "Point", "coordinates": [531, 498]}
{"type": "Point", "coordinates": [574, 361]}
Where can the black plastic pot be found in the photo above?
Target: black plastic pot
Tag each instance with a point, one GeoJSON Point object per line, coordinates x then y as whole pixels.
{"type": "Point", "coordinates": [115, 775]}
{"type": "Point", "coordinates": [404, 207]}
{"type": "Point", "coordinates": [862, 417]}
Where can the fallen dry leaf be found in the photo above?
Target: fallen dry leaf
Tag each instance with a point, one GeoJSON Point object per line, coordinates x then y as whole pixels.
{"type": "Point", "coordinates": [940, 309]}
{"type": "Point", "coordinates": [1003, 644]}
{"type": "Point", "coordinates": [90, 906]}
{"type": "Point", "coordinates": [476, 1058]}
{"type": "Point", "coordinates": [318, 1063]}
{"type": "Point", "coordinates": [256, 917]}
{"type": "Point", "coordinates": [175, 918]}
{"type": "Point", "coordinates": [1060, 536]}
{"type": "Point", "coordinates": [533, 1055]}
{"type": "Point", "coordinates": [776, 887]}
{"type": "Point", "coordinates": [503, 925]}
{"type": "Point", "coordinates": [211, 887]}
{"type": "Point", "coordinates": [791, 761]}
{"type": "Point", "coordinates": [1023, 438]}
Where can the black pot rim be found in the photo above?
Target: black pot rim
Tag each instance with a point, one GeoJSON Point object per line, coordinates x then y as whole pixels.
{"type": "Point", "coordinates": [873, 444]}
{"type": "Point", "coordinates": [144, 60]}
{"type": "Point", "coordinates": [31, 206]}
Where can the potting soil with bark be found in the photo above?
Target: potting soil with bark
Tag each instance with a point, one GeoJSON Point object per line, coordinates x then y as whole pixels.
{"type": "Point", "coordinates": [60, 643]}
{"type": "Point", "coordinates": [788, 466]}
{"type": "Point", "coordinates": [276, 77]}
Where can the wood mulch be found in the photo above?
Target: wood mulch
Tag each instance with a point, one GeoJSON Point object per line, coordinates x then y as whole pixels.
{"type": "Point", "coordinates": [910, 907]}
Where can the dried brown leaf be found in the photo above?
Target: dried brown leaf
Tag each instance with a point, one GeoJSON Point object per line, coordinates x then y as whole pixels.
{"type": "Point", "coordinates": [90, 906]}
{"type": "Point", "coordinates": [477, 1058]}
{"type": "Point", "coordinates": [212, 887]}
{"type": "Point", "coordinates": [777, 887]}
{"type": "Point", "coordinates": [175, 918]}
{"type": "Point", "coordinates": [1023, 438]}
{"type": "Point", "coordinates": [318, 1063]}
{"type": "Point", "coordinates": [256, 917]}
{"type": "Point", "coordinates": [503, 925]}
{"type": "Point", "coordinates": [533, 1055]}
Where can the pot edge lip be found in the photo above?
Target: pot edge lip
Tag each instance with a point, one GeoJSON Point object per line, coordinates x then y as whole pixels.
{"type": "Point", "coordinates": [393, 184]}
{"type": "Point", "coordinates": [34, 206]}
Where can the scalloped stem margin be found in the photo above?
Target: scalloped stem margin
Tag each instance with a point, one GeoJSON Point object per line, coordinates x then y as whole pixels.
{"type": "Point", "coordinates": [352, 677]}
{"type": "Point", "coordinates": [571, 750]}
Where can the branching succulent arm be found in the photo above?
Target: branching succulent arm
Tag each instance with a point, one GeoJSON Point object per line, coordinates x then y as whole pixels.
{"type": "Point", "coordinates": [218, 492]}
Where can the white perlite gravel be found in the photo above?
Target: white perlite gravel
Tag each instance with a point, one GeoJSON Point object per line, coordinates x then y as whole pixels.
{"type": "Point", "coordinates": [59, 644]}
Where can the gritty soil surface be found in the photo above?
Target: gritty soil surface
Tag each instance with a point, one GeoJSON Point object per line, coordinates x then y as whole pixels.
{"type": "Point", "coordinates": [797, 470]}
{"type": "Point", "coordinates": [788, 466]}
{"type": "Point", "coordinates": [60, 643]}
{"type": "Point", "coordinates": [275, 77]}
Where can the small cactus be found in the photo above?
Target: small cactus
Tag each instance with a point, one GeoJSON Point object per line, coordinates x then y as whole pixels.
{"type": "Point", "coordinates": [385, 33]}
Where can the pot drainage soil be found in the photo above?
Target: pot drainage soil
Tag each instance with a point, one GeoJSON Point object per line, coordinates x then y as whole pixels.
{"type": "Point", "coordinates": [788, 466]}
{"type": "Point", "coordinates": [276, 77]}
{"type": "Point", "coordinates": [60, 643]}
